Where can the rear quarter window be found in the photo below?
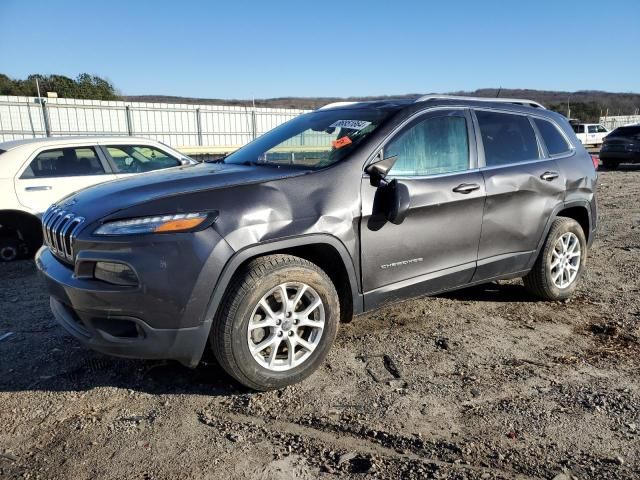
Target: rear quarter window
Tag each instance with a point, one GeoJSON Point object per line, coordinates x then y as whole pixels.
{"type": "Point", "coordinates": [554, 140]}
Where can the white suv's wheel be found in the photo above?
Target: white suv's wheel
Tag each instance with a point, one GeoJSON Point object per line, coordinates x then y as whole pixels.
{"type": "Point", "coordinates": [277, 322]}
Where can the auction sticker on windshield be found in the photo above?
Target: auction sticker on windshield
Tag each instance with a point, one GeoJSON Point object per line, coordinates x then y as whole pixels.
{"type": "Point", "coordinates": [351, 124]}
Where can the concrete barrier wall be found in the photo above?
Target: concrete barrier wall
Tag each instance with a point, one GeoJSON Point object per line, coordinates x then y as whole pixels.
{"type": "Point", "coordinates": [189, 127]}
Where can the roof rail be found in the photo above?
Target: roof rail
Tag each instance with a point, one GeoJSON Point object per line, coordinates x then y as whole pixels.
{"type": "Point", "coordinates": [336, 104]}
{"type": "Point", "coordinates": [517, 101]}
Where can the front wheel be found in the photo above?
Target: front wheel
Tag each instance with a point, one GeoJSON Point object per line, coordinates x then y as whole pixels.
{"type": "Point", "coordinates": [559, 266]}
{"type": "Point", "coordinates": [277, 322]}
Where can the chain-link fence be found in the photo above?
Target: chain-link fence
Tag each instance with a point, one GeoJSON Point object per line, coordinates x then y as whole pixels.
{"type": "Point", "coordinates": [194, 128]}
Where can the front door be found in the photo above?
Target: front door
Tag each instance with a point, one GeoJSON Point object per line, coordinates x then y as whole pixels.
{"type": "Point", "coordinates": [436, 246]}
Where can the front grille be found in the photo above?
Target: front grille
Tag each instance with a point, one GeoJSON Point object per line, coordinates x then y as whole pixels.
{"type": "Point", "coordinates": [59, 228]}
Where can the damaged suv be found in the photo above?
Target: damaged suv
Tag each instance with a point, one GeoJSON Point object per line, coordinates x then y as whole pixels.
{"type": "Point", "coordinates": [332, 214]}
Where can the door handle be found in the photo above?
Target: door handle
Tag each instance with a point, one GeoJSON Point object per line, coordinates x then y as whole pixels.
{"type": "Point", "coordinates": [38, 188]}
{"type": "Point", "coordinates": [466, 188]}
{"type": "Point", "coordinates": [549, 176]}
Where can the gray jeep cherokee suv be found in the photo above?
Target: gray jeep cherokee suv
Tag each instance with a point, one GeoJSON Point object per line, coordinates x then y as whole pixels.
{"type": "Point", "coordinates": [332, 214]}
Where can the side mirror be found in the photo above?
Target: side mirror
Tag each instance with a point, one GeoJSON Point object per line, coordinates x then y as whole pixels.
{"type": "Point", "coordinates": [399, 201]}
{"type": "Point", "coordinates": [379, 169]}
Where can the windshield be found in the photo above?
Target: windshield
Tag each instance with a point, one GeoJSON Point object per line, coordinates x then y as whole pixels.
{"type": "Point", "coordinates": [313, 140]}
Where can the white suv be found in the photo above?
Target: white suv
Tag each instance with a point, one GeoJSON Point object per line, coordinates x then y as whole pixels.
{"type": "Point", "coordinates": [37, 172]}
{"type": "Point", "coordinates": [590, 134]}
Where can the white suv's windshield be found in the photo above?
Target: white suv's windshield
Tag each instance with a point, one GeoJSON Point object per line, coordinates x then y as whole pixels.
{"type": "Point", "coordinates": [314, 140]}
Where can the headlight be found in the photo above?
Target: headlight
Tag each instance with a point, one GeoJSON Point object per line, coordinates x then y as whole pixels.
{"type": "Point", "coordinates": [180, 222]}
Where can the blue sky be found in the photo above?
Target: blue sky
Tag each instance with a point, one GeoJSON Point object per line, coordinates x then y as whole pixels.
{"type": "Point", "coordinates": [240, 49]}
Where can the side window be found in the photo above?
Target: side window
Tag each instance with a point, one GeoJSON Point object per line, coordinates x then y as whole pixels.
{"type": "Point", "coordinates": [65, 162]}
{"type": "Point", "coordinates": [601, 129]}
{"type": "Point", "coordinates": [578, 128]}
{"type": "Point", "coordinates": [553, 139]}
{"type": "Point", "coordinates": [431, 146]}
{"type": "Point", "coordinates": [140, 158]}
{"type": "Point", "coordinates": [593, 128]}
{"type": "Point", "coordinates": [507, 138]}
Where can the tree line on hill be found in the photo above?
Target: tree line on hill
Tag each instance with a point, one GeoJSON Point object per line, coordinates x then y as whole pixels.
{"type": "Point", "coordinates": [585, 105]}
{"type": "Point", "coordinates": [83, 86]}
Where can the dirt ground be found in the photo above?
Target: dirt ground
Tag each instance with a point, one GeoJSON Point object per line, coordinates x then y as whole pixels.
{"type": "Point", "coordinates": [483, 383]}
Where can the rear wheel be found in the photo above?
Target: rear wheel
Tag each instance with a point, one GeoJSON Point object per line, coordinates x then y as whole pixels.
{"type": "Point", "coordinates": [559, 266]}
{"type": "Point", "coordinates": [277, 322]}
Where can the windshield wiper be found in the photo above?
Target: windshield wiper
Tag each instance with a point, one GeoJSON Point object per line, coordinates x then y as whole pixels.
{"type": "Point", "coordinates": [216, 160]}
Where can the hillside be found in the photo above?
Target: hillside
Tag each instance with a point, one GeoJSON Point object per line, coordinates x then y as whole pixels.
{"type": "Point", "coordinates": [586, 105]}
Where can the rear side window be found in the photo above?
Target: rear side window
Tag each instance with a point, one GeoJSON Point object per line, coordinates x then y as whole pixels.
{"type": "Point", "coordinates": [578, 128]}
{"type": "Point", "coordinates": [65, 162]}
{"type": "Point", "coordinates": [140, 158]}
{"type": "Point", "coordinates": [553, 139]}
{"type": "Point", "coordinates": [431, 146]}
{"type": "Point", "coordinates": [507, 138]}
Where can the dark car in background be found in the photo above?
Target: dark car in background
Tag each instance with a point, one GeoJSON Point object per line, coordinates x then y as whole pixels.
{"type": "Point", "coordinates": [621, 146]}
{"type": "Point", "coordinates": [331, 214]}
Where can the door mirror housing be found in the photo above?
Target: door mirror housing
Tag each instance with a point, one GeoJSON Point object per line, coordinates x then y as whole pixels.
{"type": "Point", "coordinates": [399, 201]}
{"type": "Point", "coordinates": [380, 168]}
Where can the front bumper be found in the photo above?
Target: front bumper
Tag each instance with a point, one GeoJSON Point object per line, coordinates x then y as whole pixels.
{"type": "Point", "coordinates": [163, 317]}
{"type": "Point", "coordinates": [183, 344]}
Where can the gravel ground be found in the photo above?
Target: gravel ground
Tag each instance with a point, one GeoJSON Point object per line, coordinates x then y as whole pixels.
{"type": "Point", "coordinates": [482, 383]}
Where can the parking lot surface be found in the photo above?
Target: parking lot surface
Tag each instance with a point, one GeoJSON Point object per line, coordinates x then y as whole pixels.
{"type": "Point", "coordinates": [486, 382]}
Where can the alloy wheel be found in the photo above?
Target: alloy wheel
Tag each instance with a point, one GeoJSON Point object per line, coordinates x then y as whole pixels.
{"type": "Point", "coordinates": [286, 326]}
{"type": "Point", "coordinates": [565, 260]}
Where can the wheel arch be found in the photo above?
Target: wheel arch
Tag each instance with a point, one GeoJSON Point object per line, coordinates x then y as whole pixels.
{"type": "Point", "coordinates": [28, 224]}
{"type": "Point", "coordinates": [326, 251]}
{"type": "Point", "coordinates": [579, 210]}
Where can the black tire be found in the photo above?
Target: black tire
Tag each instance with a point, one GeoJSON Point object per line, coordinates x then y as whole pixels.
{"type": "Point", "coordinates": [9, 250]}
{"type": "Point", "coordinates": [229, 333]}
{"type": "Point", "coordinates": [610, 164]}
{"type": "Point", "coordinates": [539, 280]}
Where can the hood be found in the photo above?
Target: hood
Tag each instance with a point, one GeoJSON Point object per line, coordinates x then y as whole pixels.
{"type": "Point", "coordinates": [109, 197]}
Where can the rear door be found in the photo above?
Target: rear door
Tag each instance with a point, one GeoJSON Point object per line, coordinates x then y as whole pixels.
{"type": "Point", "coordinates": [436, 246]}
{"type": "Point", "coordinates": [523, 186]}
{"type": "Point", "coordinates": [54, 173]}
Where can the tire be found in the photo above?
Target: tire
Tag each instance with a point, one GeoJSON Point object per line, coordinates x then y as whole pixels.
{"type": "Point", "coordinates": [610, 164]}
{"type": "Point", "coordinates": [544, 280]}
{"type": "Point", "coordinates": [259, 283]}
{"type": "Point", "coordinates": [9, 250]}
